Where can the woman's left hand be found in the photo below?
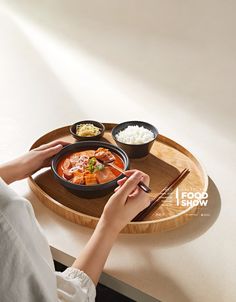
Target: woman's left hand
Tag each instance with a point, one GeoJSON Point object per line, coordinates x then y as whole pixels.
{"type": "Point", "coordinates": [30, 162]}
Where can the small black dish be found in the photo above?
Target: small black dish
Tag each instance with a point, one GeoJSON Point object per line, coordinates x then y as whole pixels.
{"type": "Point", "coordinates": [83, 190]}
{"type": "Point", "coordinates": [87, 138]}
{"type": "Point", "coordinates": [135, 151]}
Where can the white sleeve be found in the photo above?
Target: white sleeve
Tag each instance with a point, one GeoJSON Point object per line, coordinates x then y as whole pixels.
{"type": "Point", "coordinates": [26, 261]}
{"type": "Point", "coordinates": [74, 285]}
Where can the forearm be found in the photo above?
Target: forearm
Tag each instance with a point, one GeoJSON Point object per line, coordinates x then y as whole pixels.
{"type": "Point", "coordinates": [9, 172]}
{"type": "Point", "coordinates": [94, 255]}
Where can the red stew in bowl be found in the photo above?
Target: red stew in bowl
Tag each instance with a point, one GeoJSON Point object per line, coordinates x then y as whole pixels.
{"type": "Point", "coordinates": [87, 168]}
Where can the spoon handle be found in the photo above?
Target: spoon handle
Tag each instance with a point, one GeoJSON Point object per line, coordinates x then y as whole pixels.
{"type": "Point", "coordinates": [140, 184]}
{"type": "Point", "coordinates": [144, 187]}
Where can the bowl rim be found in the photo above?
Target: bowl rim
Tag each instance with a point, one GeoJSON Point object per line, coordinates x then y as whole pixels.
{"type": "Point", "coordinates": [146, 123]}
{"type": "Point", "coordinates": [88, 122]}
{"type": "Point", "coordinates": [57, 157]}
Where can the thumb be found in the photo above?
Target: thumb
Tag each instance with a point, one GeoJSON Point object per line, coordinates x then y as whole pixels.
{"type": "Point", "coordinates": [130, 185]}
{"type": "Point", "coordinates": [52, 151]}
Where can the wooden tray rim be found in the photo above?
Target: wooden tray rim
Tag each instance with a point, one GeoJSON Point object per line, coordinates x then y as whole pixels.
{"type": "Point", "coordinates": [161, 138]}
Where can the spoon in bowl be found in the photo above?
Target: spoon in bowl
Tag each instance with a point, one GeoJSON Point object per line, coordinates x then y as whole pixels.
{"type": "Point", "coordinates": [111, 163]}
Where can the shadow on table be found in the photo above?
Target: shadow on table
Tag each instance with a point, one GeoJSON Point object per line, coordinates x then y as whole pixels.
{"type": "Point", "coordinates": [164, 288]}
{"type": "Point", "coordinates": [188, 232]}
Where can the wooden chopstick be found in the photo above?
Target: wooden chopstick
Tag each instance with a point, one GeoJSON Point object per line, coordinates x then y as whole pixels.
{"type": "Point", "coordinates": [165, 192]}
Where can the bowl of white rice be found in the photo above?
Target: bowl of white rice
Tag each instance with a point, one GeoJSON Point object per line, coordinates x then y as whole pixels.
{"type": "Point", "coordinates": [135, 137]}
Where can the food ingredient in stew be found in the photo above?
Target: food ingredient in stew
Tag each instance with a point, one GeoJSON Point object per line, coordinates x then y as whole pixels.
{"type": "Point", "coordinates": [88, 167]}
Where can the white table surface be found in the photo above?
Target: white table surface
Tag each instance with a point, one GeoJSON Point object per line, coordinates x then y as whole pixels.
{"type": "Point", "coordinates": [54, 73]}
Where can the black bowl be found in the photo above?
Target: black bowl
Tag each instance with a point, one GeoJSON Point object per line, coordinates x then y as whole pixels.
{"type": "Point", "coordinates": [135, 151]}
{"type": "Point", "coordinates": [83, 190]}
{"type": "Point", "coordinates": [87, 138]}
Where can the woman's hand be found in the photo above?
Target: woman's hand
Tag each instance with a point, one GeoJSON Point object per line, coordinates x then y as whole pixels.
{"type": "Point", "coordinates": [30, 162]}
{"type": "Point", "coordinates": [127, 201]}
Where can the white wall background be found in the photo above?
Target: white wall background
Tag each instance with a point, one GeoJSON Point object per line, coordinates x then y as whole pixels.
{"type": "Point", "coordinates": [141, 56]}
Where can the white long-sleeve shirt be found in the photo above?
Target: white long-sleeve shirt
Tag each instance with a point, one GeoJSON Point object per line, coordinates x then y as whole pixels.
{"type": "Point", "coordinates": [26, 265]}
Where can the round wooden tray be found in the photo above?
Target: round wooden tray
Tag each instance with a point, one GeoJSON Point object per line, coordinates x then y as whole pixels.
{"type": "Point", "coordinates": [165, 161]}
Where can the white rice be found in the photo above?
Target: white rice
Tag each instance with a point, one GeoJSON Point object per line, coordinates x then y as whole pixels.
{"type": "Point", "coordinates": [135, 135]}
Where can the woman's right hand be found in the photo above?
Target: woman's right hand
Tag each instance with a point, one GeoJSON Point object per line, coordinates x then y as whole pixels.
{"type": "Point", "coordinates": [127, 201]}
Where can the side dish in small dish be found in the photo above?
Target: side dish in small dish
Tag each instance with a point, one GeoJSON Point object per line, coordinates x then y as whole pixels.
{"type": "Point", "coordinates": [87, 130]}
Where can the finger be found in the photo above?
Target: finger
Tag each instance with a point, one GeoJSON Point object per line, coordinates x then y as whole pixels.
{"type": "Point", "coordinates": [49, 152]}
{"type": "Point", "coordinates": [130, 172]}
{"type": "Point", "coordinates": [117, 188]}
{"type": "Point", "coordinates": [146, 178]}
{"type": "Point", "coordinates": [122, 181]}
{"type": "Point", "coordinates": [130, 185]}
{"type": "Point", "coordinates": [51, 144]}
